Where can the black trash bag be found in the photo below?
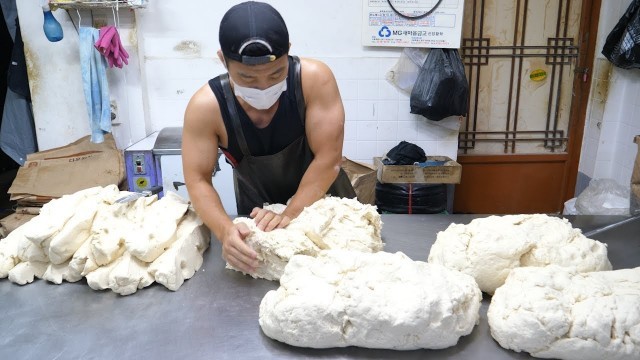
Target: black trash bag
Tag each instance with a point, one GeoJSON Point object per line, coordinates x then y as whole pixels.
{"type": "Point", "coordinates": [441, 89]}
{"type": "Point", "coordinates": [404, 153]}
{"type": "Point", "coordinates": [411, 198]}
{"type": "Point", "coordinates": [622, 47]}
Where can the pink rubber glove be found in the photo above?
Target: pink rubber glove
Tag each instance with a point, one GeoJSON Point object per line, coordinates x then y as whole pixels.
{"type": "Point", "coordinates": [105, 39]}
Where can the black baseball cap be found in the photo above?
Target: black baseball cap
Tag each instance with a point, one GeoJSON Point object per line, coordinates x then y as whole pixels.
{"type": "Point", "coordinates": [253, 33]}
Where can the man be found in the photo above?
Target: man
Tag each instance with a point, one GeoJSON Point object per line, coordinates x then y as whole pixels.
{"type": "Point", "coordinates": [279, 122]}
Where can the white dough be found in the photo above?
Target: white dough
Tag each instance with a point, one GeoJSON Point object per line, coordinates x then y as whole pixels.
{"type": "Point", "coordinates": [329, 223]}
{"type": "Point", "coordinates": [73, 234]}
{"type": "Point", "coordinates": [86, 234]}
{"type": "Point", "coordinates": [54, 215]}
{"type": "Point", "coordinates": [113, 223]}
{"type": "Point", "coordinates": [129, 275]}
{"type": "Point", "coordinates": [375, 300]}
{"type": "Point", "coordinates": [9, 257]}
{"type": "Point", "coordinates": [184, 256]}
{"type": "Point", "coordinates": [25, 272]}
{"type": "Point", "coordinates": [341, 223]}
{"type": "Point", "coordinates": [106, 239]}
{"type": "Point", "coordinates": [489, 248]}
{"type": "Point", "coordinates": [57, 273]}
{"type": "Point", "coordinates": [124, 276]}
{"type": "Point", "coordinates": [82, 261]}
{"type": "Point", "coordinates": [275, 248]}
{"type": "Point", "coordinates": [555, 312]}
{"type": "Point", "coordinates": [28, 251]}
{"type": "Point", "coordinates": [158, 230]}
{"type": "Point", "coordinates": [276, 208]}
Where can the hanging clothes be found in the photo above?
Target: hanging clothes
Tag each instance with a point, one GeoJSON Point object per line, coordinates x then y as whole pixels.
{"type": "Point", "coordinates": [111, 48]}
{"type": "Point", "coordinates": [94, 81]}
{"type": "Point", "coordinates": [17, 131]}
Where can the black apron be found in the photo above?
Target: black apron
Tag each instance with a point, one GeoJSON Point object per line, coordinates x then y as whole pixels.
{"type": "Point", "coordinates": [273, 178]}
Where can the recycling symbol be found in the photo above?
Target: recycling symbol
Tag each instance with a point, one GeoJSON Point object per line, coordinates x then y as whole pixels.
{"type": "Point", "coordinates": [384, 32]}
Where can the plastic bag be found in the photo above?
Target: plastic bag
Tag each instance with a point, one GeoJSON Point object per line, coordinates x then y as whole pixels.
{"type": "Point", "coordinates": [411, 198]}
{"type": "Point", "coordinates": [405, 72]}
{"type": "Point", "coordinates": [570, 207]}
{"type": "Point", "coordinates": [622, 47]}
{"type": "Point", "coordinates": [441, 89]}
{"type": "Point", "coordinates": [603, 197]}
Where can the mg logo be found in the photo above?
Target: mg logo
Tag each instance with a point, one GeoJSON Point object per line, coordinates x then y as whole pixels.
{"type": "Point", "coordinates": [384, 32]}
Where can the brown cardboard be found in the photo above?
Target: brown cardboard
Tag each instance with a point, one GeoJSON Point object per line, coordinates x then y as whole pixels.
{"type": "Point", "coordinates": [68, 169]}
{"type": "Point", "coordinates": [449, 173]}
{"type": "Point", "coordinates": [363, 179]}
{"type": "Point", "coordinates": [634, 205]}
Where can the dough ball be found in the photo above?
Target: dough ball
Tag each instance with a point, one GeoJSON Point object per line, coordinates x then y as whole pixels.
{"type": "Point", "coordinates": [375, 300]}
{"type": "Point", "coordinates": [556, 312]}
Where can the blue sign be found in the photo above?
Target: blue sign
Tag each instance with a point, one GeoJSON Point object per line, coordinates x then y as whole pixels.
{"type": "Point", "coordinates": [384, 32]}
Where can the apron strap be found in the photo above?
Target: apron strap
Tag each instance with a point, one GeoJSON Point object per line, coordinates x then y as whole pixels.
{"type": "Point", "coordinates": [233, 114]}
{"type": "Point", "coordinates": [297, 81]}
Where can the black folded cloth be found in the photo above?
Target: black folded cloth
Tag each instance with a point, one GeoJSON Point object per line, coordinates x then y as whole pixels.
{"type": "Point", "coordinates": [405, 153]}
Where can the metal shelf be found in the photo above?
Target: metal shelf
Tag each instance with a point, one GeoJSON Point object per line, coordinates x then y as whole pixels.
{"type": "Point", "coordinates": [91, 5]}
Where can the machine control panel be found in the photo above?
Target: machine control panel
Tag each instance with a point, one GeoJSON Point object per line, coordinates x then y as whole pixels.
{"type": "Point", "coordinates": [139, 164]}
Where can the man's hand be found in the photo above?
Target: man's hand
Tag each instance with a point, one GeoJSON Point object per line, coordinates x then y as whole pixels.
{"type": "Point", "coordinates": [268, 220]}
{"type": "Point", "coordinates": [236, 251]}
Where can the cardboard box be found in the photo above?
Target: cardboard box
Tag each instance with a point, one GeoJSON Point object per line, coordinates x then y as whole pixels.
{"type": "Point", "coordinates": [447, 173]}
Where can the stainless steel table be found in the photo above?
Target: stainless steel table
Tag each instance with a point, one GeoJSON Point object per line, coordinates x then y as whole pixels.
{"type": "Point", "coordinates": [215, 314]}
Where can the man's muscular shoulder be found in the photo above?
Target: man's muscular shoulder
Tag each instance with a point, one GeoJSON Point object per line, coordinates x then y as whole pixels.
{"type": "Point", "coordinates": [203, 114]}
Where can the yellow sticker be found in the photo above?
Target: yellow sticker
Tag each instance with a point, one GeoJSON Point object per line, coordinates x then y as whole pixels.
{"type": "Point", "coordinates": [538, 75]}
{"type": "Point", "coordinates": [141, 182]}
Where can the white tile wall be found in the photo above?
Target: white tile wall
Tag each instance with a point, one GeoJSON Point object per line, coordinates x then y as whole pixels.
{"type": "Point", "coordinates": [608, 150]}
{"type": "Point", "coordinates": [379, 114]}
{"type": "Point", "coordinates": [376, 114]}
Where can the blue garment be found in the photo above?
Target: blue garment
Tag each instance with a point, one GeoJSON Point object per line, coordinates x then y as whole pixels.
{"type": "Point", "coordinates": [17, 133]}
{"type": "Point", "coordinates": [94, 81]}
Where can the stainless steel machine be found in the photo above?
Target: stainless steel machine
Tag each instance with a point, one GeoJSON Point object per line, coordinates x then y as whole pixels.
{"type": "Point", "coordinates": [157, 160]}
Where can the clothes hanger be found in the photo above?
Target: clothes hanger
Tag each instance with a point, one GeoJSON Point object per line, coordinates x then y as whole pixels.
{"type": "Point", "coordinates": [115, 10]}
{"type": "Point", "coordinates": [79, 18]}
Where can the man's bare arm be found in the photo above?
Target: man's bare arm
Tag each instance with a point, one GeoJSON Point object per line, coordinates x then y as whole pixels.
{"type": "Point", "coordinates": [199, 155]}
{"type": "Point", "coordinates": [324, 128]}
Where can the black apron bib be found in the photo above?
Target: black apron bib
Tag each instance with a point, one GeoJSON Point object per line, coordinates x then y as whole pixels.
{"type": "Point", "coordinates": [272, 178]}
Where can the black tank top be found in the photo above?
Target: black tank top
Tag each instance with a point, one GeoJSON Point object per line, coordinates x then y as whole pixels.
{"type": "Point", "coordinates": [285, 127]}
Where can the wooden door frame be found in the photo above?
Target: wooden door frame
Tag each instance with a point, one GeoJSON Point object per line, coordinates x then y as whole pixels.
{"type": "Point", "coordinates": [590, 18]}
{"type": "Point", "coordinates": [587, 41]}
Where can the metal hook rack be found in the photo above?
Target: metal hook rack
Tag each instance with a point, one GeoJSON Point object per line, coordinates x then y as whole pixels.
{"type": "Point", "coordinates": [99, 4]}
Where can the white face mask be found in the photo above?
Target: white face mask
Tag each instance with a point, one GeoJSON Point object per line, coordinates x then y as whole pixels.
{"type": "Point", "coordinates": [260, 99]}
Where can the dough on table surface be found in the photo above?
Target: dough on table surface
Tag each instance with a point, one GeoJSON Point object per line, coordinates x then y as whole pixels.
{"type": "Point", "coordinates": [341, 223]}
{"type": "Point", "coordinates": [25, 272]}
{"type": "Point", "coordinates": [489, 248]}
{"type": "Point", "coordinates": [158, 230]}
{"type": "Point", "coordinates": [56, 273]}
{"type": "Point", "coordinates": [376, 300]}
{"type": "Point", "coordinates": [275, 248]}
{"type": "Point", "coordinates": [184, 257]}
{"type": "Point", "coordinates": [111, 244]}
{"type": "Point", "coordinates": [556, 312]}
{"type": "Point", "coordinates": [329, 223]}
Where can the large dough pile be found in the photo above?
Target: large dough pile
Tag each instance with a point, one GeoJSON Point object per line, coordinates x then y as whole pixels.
{"type": "Point", "coordinates": [122, 247]}
{"type": "Point", "coordinates": [329, 223]}
{"type": "Point", "coordinates": [555, 312]}
{"type": "Point", "coordinates": [375, 300]}
{"type": "Point", "coordinates": [489, 248]}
